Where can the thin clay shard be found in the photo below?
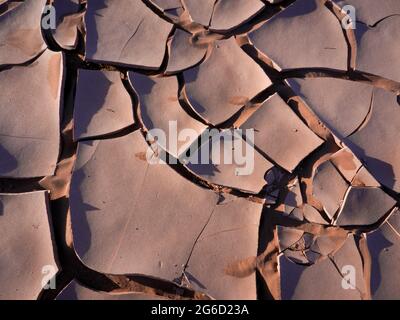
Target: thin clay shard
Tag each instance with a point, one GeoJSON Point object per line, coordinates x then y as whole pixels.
{"type": "Point", "coordinates": [329, 187]}
{"type": "Point", "coordinates": [394, 220]}
{"type": "Point", "coordinates": [312, 215]}
{"type": "Point", "coordinates": [183, 53]}
{"type": "Point", "coordinates": [27, 257]}
{"type": "Point", "coordinates": [68, 21]}
{"type": "Point", "coordinates": [102, 105]}
{"type": "Point", "coordinates": [141, 39]}
{"type": "Point", "coordinates": [346, 163]}
{"type": "Point", "coordinates": [288, 237]}
{"type": "Point", "coordinates": [308, 28]}
{"type": "Point", "coordinates": [166, 5]}
{"type": "Point", "coordinates": [206, 85]}
{"type": "Point", "coordinates": [280, 134]}
{"type": "Point", "coordinates": [76, 291]}
{"type": "Point", "coordinates": [293, 199]}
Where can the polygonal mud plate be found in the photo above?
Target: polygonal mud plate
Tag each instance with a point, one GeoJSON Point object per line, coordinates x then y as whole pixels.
{"type": "Point", "coordinates": [20, 32]}
{"type": "Point", "coordinates": [304, 35]}
{"type": "Point", "coordinates": [30, 106]}
{"type": "Point", "coordinates": [377, 53]}
{"type": "Point", "coordinates": [340, 104]}
{"type": "Point", "coordinates": [373, 143]}
{"type": "Point", "coordinates": [27, 255]}
{"type": "Point", "coordinates": [119, 199]}
{"type": "Point", "coordinates": [102, 104]}
{"type": "Point", "coordinates": [224, 83]}
{"type": "Point", "coordinates": [140, 40]}
{"type": "Point", "coordinates": [280, 133]}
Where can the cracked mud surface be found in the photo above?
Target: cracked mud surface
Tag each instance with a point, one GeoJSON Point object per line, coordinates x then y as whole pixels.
{"type": "Point", "coordinates": [318, 216]}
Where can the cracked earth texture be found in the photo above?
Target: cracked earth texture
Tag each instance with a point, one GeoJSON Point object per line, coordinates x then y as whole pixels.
{"type": "Point", "coordinates": [84, 215]}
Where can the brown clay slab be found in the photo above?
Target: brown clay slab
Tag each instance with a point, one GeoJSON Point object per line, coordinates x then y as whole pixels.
{"type": "Point", "coordinates": [364, 206]}
{"type": "Point", "coordinates": [27, 255]}
{"type": "Point", "coordinates": [373, 143]}
{"type": "Point", "coordinates": [30, 106]}
{"type": "Point", "coordinates": [141, 38]}
{"type": "Point", "coordinates": [340, 104]}
{"type": "Point", "coordinates": [112, 225]}
{"type": "Point", "coordinates": [183, 52]}
{"type": "Point", "coordinates": [200, 11]}
{"type": "Point", "coordinates": [134, 205]}
{"type": "Point", "coordinates": [226, 81]}
{"type": "Point", "coordinates": [166, 5]}
{"type": "Point", "coordinates": [304, 35]}
{"type": "Point", "coordinates": [329, 187]}
{"type": "Point", "coordinates": [20, 32]}
{"type": "Point", "coordinates": [102, 104]}
{"type": "Point", "coordinates": [280, 133]}
{"type": "Point", "coordinates": [226, 244]}
{"type": "Point", "coordinates": [377, 53]}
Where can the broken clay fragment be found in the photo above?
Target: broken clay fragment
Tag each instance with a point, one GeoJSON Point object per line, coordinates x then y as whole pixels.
{"type": "Point", "coordinates": [363, 206]}
{"type": "Point", "coordinates": [102, 105]}
{"type": "Point", "coordinates": [68, 21]}
{"type": "Point", "coordinates": [280, 134]}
